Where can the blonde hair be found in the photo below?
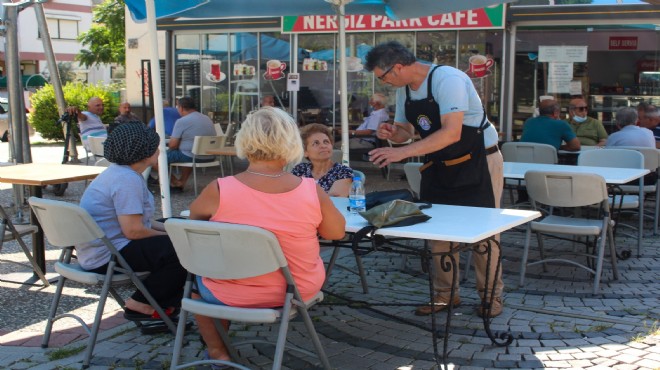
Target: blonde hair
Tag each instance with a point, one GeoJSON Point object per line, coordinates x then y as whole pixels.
{"type": "Point", "coordinates": [269, 134]}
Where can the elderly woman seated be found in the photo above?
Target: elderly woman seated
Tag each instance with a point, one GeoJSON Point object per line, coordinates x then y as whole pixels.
{"type": "Point", "coordinates": [295, 209]}
{"type": "Point", "coordinates": [122, 205]}
{"type": "Point", "coordinates": [333, 177]}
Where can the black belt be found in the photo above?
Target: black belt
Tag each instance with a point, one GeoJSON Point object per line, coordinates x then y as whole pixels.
{"type": "Point", "coordinates": [492, 149]}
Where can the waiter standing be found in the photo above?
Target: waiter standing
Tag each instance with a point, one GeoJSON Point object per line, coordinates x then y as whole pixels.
{"type": "Point", "coordinates": [463, 165]}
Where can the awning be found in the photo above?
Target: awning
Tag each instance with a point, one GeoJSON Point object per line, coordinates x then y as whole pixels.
{"type": "Point", "coordinates": [28, 81]}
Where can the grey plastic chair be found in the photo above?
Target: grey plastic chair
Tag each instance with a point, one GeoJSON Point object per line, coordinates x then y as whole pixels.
{"type": "Point", "coordinates": [17, 232]}
{"type": "Point", "coordinates": [569, 190]}
{"type": "Point", "coordinates": [201, 145]}
{"type": "Point", "coordinates": [66, 225]}
{"type": "Point", "coordinates": [651, 163]}
{"type": "Point", "coordinates": [621, 158]}
{"type": "Point", "coordinates": [414, 177]}
{"type": "Point", "coordinates": [230, 251]}
{"type": "Point", "coordinates": [516, 151]}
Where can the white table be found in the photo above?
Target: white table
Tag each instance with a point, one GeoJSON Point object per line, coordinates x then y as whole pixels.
{"type": "Point", "coordinates": [457, 224]}
{"type": "Point", "coordinates": [612, 176]}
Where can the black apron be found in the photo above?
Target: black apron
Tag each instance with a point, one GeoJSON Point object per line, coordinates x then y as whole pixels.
{"type": "Point", "coordinates": [457, 174]}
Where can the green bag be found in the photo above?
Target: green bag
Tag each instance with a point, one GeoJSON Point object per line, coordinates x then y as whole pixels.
{"type": "Point", "coordinates": [396, 213]}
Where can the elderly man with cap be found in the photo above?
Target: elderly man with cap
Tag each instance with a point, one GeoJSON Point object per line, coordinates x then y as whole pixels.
{"type": "Point", "coordinates": [122, 205]}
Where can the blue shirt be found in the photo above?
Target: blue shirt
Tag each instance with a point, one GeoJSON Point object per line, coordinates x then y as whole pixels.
{"type": "Point", "coordinates": [170, 116]}
{"type": "Point", "coordinates": [547, 130]}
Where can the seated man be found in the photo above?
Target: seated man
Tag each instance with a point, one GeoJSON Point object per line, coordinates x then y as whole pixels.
{"type": "Point", "coordinates": [170, 115]}
{"type": "Point", "coordinates": [649, 117]}
{"type": "Point", "coordinates": [125, 116]}
{"type": "Point", "coordinates": [549, 129]}
{"type": "Point", "coordinates": [629, 134]}
{"type": "Point", "coordinates": [364, 137]}
{"type": "Point", "coordinates": [89, 121]}
{"type": "Point", "coordinates": [192, 123]}
{"type": "Point", "coordinates": [589, 131]}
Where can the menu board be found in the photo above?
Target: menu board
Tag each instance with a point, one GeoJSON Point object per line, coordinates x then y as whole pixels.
{"type": "Point", "coordinates": [575, 54]}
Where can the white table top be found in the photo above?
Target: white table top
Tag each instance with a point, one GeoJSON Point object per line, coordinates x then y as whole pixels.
{"type": "Point", "coordinates": [40, 174]}
{"type": "Point", "coordinates": [612, 175]}
{"type": "Point", "coordinates": [448, 223]}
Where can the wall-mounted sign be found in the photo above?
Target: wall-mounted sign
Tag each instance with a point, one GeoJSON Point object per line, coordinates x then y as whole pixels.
{"type": "Point", "coordinates": [622, 43]}
{"type": "Point", "coordinates": [575, 54]}
{"type": "Point", "coordinates": [486, 18]}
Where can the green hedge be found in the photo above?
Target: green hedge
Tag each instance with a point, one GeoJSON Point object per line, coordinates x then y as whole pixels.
{"type": "Point", "coordinates": [44, 115]}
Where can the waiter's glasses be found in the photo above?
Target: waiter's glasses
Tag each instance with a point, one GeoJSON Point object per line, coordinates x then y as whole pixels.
{"type": "Point", "coordinates": [382, 77]}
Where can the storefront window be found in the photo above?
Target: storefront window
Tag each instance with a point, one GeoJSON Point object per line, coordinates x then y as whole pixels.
{"type": "Point", "coordinates": [274, 65]}
{"type": "Point", "coordinates": [317, 97]}
{"type": "Point", "coordinates": [437, 47]}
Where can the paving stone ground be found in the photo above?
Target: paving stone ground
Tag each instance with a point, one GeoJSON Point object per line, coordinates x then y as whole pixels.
{"type": "Point", "coordinates": [555, 319]}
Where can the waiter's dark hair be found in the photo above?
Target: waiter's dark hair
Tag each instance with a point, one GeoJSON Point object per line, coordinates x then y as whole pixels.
{"type": "Point", "coordinates": [388, 54]}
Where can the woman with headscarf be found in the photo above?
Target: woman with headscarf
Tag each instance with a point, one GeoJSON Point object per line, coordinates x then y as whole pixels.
{"type": "Point", "coordinates": [122, 205]}
{"type": "Point", "coordinates": [295, 209]}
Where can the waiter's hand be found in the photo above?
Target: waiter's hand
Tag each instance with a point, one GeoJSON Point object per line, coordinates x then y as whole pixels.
{"type": "Point", "coordinates": [386, 131]}
{"type": "Point", "coordinates": [381, 157]}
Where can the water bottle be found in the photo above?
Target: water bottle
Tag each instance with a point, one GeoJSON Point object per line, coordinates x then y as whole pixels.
{"type": "Point", "coordinates": [356, 199]}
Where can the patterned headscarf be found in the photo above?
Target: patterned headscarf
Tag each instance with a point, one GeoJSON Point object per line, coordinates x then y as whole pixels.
{"type": "Point", "coordinates": [130, 143]}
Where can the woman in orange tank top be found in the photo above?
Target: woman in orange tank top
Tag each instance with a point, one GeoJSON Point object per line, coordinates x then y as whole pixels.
{"type": "Point", "coordinates": [295, 210]}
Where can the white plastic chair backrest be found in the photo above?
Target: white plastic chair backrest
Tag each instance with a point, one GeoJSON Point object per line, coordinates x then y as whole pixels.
{"type": "Point", "coordinates": [565, 189]}
{"type": "Point", "coordinates": [529, 152]}
{"type": "Point", "coordinates": [218, 129]}
{"type": "Point", "coordinates": [65, 224]}
{"type": "Point", "coordinates": [221, 250]}
{"type": "Point", "coordinates": [414, 177]}
{"type": "Point", "coordinates": [96, 145]}
{"type": "Point", "coordinates": [203, 144]}
{"type": "Point", "coordinates": [620, 158]}
{"type": "Point", "coordinates": [362, 176]}
{"type": "Point", "coordinates": [651, 156]}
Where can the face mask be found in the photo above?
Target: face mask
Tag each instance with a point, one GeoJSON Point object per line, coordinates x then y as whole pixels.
{"type": "Point", "coordinates": [579, 119]}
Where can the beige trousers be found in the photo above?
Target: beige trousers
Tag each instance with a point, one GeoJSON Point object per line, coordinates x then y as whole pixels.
{"type": "Point", "coordinates": [442, 279]}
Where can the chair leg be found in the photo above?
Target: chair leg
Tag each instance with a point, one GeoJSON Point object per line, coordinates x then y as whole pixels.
{"type": "Point", "coordinates": [539, 238]}
{"type": "Point", "coordinates": [363, 276]}
{"type": "Point", "coordinates": [195, 179]}
{"type": "Point", "coordinates": [284, 328]}
{"type": "Point", "coordinates": [320, 352]}
{"type": "Point", "coordinates": [599, 258]}
{"type": "Point", "coordinates": [468, 263]}
{"type": "Point", "coordinates": [178, 340]}
{"type": "Point", "coordinates": [53, 311]}
{"type": "Point", "coordinates": [98, 316]}
{"type": "Point", "coordinates": [523, 261]}
{"type": "Point", "coordinates": [610, 238]}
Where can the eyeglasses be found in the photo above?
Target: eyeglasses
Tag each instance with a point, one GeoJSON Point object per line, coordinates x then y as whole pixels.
{"type": "Point", "coordinates": [382, 77]}
{"type": "Point", "coordinates": [580, 109]}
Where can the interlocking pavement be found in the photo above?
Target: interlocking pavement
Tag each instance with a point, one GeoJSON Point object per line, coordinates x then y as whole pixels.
{"type": "Point", "coordinates": [554, 318]}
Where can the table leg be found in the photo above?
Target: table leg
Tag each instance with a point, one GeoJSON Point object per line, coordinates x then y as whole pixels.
{"type": "Point", "coordinates": [38, 244]}
{"type": "Point", "coordinates": [640, 235]}
{"type": "Point", "coordinates": [504, 338]}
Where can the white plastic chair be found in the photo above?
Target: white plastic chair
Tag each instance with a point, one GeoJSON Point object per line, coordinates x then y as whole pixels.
{"type": "Point", "coordinates": [230, 251]}
{"type": "Point", "coordinates": [620, 158]}
{"type": "Point", "coordinates": [516, 151]}
{"type": "Point", "coordinates": [569, 190]}
{"type": "Point", "coordinates": [651, 163]}
{"type": "Point", "coordinates": [66, 225]}
{"type": "Point", "coordinates": [202, 145]}
{"type": "Point", "coordinates": [17, 232]}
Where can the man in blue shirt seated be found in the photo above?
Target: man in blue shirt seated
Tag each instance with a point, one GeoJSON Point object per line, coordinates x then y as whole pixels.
{"type": "Point", "coordinates": [170, 116]}
{"type": "Point", "coordinates": [649, 117]}
{"type": "Point", "coordinates": [549, 129]}
{"type": "Point", "coordinates": [629, 134]}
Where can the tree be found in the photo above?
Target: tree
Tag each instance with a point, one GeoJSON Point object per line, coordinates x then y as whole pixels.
{"type": "Point", "coordinates": [106, 38]}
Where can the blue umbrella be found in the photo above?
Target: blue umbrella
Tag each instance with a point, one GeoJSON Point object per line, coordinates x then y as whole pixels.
{"type": "Point", "coordinates": [394, 9]}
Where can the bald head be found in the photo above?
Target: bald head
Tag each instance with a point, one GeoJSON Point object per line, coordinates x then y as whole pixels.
{"type": "Point", "coordinates": [549, 107]}
{"type": "Point", "coordinates": [95, 105]}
